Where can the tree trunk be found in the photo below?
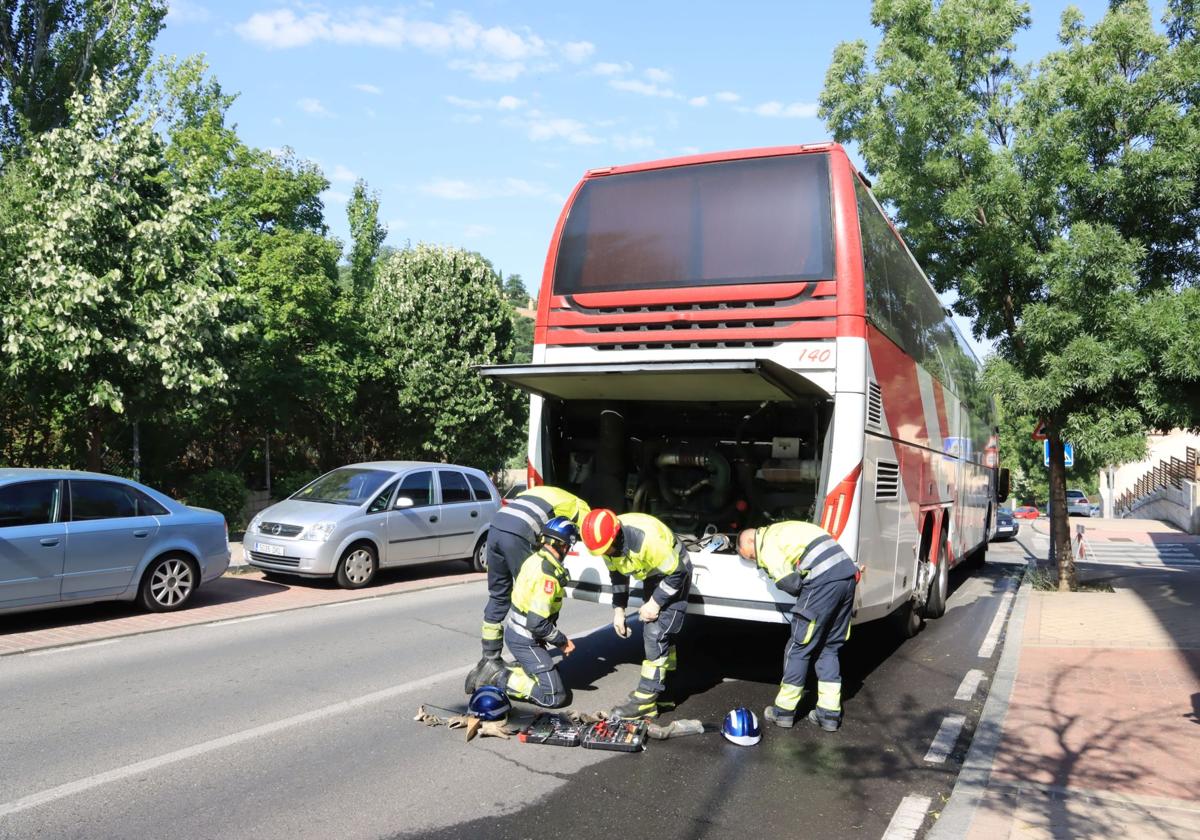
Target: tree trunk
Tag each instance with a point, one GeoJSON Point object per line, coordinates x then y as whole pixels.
{"type": "Point", "coordinates": [95, 440]}
{"type": "Point", "coordinates": [1060, 528]}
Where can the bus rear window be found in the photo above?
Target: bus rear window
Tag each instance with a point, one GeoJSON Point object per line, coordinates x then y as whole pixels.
{"type": "Point", "coordinates": [765, 220]}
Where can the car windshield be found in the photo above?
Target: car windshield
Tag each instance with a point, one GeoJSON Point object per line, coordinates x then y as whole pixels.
{"type": "Point", "coordinates": [1076, 494]}
{"type": "Point", "coordinates": [347, 486]}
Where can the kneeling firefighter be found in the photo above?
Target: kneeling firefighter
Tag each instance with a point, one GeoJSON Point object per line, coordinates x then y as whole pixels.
{"type": "Point", "coordinates": [530, 626]}
{"type": "Point", "coordinates": [512, 537]}
{"type": "Point", "coordinates": [805, 561]}
{"type": "Point", "coordinates": [637, 544]}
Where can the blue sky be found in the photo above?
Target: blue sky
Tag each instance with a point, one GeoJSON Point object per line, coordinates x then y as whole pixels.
{"type": "Point", "coordinates": [474, 121]}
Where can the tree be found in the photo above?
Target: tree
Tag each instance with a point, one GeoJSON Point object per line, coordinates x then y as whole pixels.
{"type": "Point", "coordinates": [366, 235]}
{"type": "Point", "coordinates": [1058, 201]}
{"type": "Point", "coordinates": [114, 296]}
{"type": "Point", "coordinates": [515, 291]}
{"type": "Point", "coordinates": [438, 312]}
{"type": "Point", "coordinates": [51, 50]}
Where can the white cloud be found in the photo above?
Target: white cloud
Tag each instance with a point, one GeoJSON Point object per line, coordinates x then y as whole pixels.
{"type": "Point", "coordinates": [608, 68]}
{"type": "Point", "coordinates": [497, 53]}
{"type": "Point", "coordinates": [457, 189]}
{"type": "Point", "coordinates": [342, 173]}
{"type": "Point", "coordinates": [643, 88]}
{"type": "Point", "coordinates": [655, 74]}
{"type": "Point", "coordinates": [689, 150]}
{"type": "Point", "coordinates": [540, 128]}
{"type": "Point", "coordinates": [726, 96]}
{"type": "Point", "coordinates": [335, 197]}
{"type": "Point", "coordinates": [478, 231]}
{"type": "Point", "coordinates": [366, 88]}
{"type": "Point", "coordinates": [504, 103]}
{"type": "Point", "coordinates": [779, 109]}
{"type": "Point", "coordinates": [186, 11]}
{"type": "Point", "coordinates": [698, 101]}
{"type": "Point", "coordinates": [628, 142]}
{"type": "Point", "coordinates": [313, 106]}
{"type": "Point", "coordinates": [578, 52]}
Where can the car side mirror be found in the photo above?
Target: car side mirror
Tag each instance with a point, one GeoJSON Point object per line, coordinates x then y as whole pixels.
{"type": "Point", "coordinates": [1003, 486]}
{"type": "Point", "coordinates": [405, 502]}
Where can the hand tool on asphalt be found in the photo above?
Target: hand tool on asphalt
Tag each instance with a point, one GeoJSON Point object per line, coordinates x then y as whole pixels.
{"type": "Point", "coordinates": [614, 734]}
{"type": "Point", "coordinates": [552, 730]}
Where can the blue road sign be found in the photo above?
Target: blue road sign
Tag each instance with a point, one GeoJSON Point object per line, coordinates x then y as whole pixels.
{"type": "Point", "coordinates": [1068, 454]}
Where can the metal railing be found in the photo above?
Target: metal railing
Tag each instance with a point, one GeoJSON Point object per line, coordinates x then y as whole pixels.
{"type": "Point", "coordinates": [1168, 471]}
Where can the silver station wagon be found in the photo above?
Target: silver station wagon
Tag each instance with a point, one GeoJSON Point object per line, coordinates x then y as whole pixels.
{"type": "Point", "coordinates": [352, 521]}
{"type": "Point", "coordinates": [74, 537]}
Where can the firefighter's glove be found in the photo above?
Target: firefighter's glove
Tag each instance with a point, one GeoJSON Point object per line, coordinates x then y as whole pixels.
{"type": "Point", "coordinates": [619, 625]}
{"type": "Point", "coordinates": [649, 610]}
{"type": "Point", "coordinates": [496, 729]}
{"type": "Point", "coordinates": [585, 717]}
{"type": "Point", "coordinates": [427, 717]}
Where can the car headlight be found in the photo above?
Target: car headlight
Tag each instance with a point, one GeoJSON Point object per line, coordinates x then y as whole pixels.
{"type": "Point", "coordinates": [319, 532]}
{"type": "Point", "coordinates": [254, 523]}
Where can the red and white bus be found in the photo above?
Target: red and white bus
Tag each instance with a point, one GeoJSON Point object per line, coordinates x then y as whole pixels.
{"type": "Point", "coordinates": [732, 339]}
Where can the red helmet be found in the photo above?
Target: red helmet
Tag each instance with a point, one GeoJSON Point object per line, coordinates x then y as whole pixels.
{"type": "Point", "coordinates": [600, 530]}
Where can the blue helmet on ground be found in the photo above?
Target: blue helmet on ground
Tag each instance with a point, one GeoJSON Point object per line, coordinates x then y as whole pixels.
{"type": "Point", "coordinates": [560, 530]}
{"type": "Point", "coordinates": [489, 703]}
{"type": "Point", "coordinates": [741, 727]}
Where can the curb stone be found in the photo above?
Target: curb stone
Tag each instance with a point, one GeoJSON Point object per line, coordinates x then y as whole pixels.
{"type": "Point", "coordinates": [955, 819]}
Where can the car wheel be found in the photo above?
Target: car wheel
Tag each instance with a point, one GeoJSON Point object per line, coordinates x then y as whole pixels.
{"type": "Point", "coordinates": [168, 584]}
{"type": "Point", "coordinates": [357, 567]}
{"type": "Point", "coordinates": [478, 559]}
{"type": "Point", "coordinates": [939, 589]}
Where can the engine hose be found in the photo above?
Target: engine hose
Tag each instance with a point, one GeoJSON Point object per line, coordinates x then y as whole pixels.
{"type": "Point", "coordinates": [714, 462]}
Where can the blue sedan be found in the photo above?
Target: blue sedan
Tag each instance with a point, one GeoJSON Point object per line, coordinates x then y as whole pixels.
{"type": "Point", "coordinates": [77, 537]}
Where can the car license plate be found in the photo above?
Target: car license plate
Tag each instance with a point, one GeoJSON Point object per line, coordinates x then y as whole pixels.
{"type": "Point", "coordinates": [1005, 529]}
{"type": "Point", "coordinates": [267, 548]}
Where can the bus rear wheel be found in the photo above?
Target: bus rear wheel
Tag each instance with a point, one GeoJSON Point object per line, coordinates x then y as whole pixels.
{"type": "Point", "coordinates": [939, 587]}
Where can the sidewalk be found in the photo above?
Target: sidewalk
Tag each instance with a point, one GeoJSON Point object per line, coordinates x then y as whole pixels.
{"type": "Point", "coordinates": [1101, 734]}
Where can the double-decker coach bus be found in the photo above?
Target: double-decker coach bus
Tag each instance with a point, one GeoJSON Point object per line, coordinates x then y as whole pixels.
{"type": "Point", "coordinates": [734, 339]}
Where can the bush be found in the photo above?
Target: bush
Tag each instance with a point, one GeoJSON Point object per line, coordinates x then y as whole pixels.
{"type": "Point", "coordinates": [285, 484]}
{"type": "Point", "coordinates": [222, 491]}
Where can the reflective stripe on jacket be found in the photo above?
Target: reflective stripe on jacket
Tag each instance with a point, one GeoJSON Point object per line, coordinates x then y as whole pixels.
{"type": "Point", "coordinates": [651, 550]}
{"type": "Point", "coordinates": [529, 512]}
{"type": "Point", "coordinates": [537, 598]}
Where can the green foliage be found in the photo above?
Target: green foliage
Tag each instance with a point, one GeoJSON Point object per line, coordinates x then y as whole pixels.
{"type": "Point", "coordinates": [222, 491]}
{"type": "Point", "coordinates": [1060, 201]}
{"type": "Point", "coordinates": [366, 235]}
{"type": "Point", "coordinates": [285, 484]}
{"type": "Point", "coordinates": [522, 339]}
{"type": "Point", "coordinates": [515, 291]}
{"type": "Point", "coordinates": [52, 50]}
{"type": "Point", "coordinates": [437, 312]}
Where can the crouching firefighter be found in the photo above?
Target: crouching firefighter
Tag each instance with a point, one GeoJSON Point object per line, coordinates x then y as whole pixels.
{"type": "Point", "coordinates": [512, 537]}
{"type": "Point", "coordinates": [805, 561]}
{"type": "Point", "coordinates": [637, 544]}
{"type": "Point", "coordinates": [531, 625]}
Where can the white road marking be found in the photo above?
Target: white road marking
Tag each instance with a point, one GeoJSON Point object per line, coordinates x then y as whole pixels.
{"type": "Point", "coordinates": [908, 819]}
{"type": "Point", "coordinates": [350, 602]}
{"type": "Point", "coordinates": [226, 622]}
{"type": "Point", "coordinates": [939, 750]}
{"type": "Point", "coordinates": [69, 648]}
{"type": "Point", "coordinates": [993, 634]}
{"type": "Point", "coordinates": [969, 685]}
{"type": "Point", "coordinates": [44, 797]}
{"type": "Point", "coordinates": [151, 764]}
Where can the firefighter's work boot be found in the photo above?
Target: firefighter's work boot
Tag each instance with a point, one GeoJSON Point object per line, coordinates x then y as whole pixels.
{"type": "Point", "coordinates": [489, 673]}
{"type": "Point", "coordinates": [473, 674]}
{"type": "Point", "coordinates": [639, 705]}
{"type": "Point", "coordinates": [828, 721]}
{"type": "Point", "coordinates": [780, 717]}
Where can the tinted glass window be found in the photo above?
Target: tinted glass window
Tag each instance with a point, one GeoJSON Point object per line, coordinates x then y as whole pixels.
{"type": "Point", "coordinates": [454, 487]}
{"type": "Point", "coordinates": [381, 501]}
{"type": "Point", "coordinates": [101, 500]}
{"type": "Point", "coordinates": [345, 486]}
{"type": "Point", "coordinates": [417, 486]}
{"type": "Point", "coordinates": [745, 221]}
{"type": "Point", "coordinates": [483, 493]}
{"type": "Point", "coordinates": [145, 505]}
{"type": "Point", "coordinates": [30, 503]}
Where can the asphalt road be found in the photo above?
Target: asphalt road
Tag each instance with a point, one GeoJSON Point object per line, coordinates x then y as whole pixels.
{"type": "Point", "coordinates": [299, 725]}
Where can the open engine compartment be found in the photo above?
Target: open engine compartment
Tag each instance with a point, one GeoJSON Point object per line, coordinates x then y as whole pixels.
{"type": "Point", "coordinates": [703, 468]}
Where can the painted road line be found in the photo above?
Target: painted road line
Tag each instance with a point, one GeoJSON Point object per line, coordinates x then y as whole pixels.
{"type": "Point", "coordinates": [53, 794]}
{"type": "Point", "coordinates": [908, 819]}
{"type": "Point", "coordinates": [939, 750]}
{"type": "Point", "coordinates": [969, 685]}
{"type": "Point", "coordinates": [993, 634]}
{"type": "Point", "coordinates": [69, 648]}
{"type": "Point", "coordinates": [226, 622]}
{"type": "Point", "coordinates": [350, 603]}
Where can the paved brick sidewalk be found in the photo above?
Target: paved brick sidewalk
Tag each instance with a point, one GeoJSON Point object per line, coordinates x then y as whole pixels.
{"type": "Point", "coordinates": [232, 596]}
{"type": "Point", "coordinates": [1102, 735]}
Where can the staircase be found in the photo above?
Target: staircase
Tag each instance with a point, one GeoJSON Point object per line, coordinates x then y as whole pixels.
{"type": "Point", "coordinates": [1168, 491]}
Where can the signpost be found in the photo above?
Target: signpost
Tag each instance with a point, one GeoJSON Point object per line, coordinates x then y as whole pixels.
{"type": "Point", "coordinates": [1068, 454]}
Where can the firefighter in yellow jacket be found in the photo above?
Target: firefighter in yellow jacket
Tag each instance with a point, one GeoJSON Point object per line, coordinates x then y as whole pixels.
{"type": "Point", "coordinates": [531, 626]}
{"type": "Point", "coordinates": [512, 537]}
{"type": "Point", "coordinates": [638, 545]}
{"type": "Point", "coordinates": [805, 561]}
